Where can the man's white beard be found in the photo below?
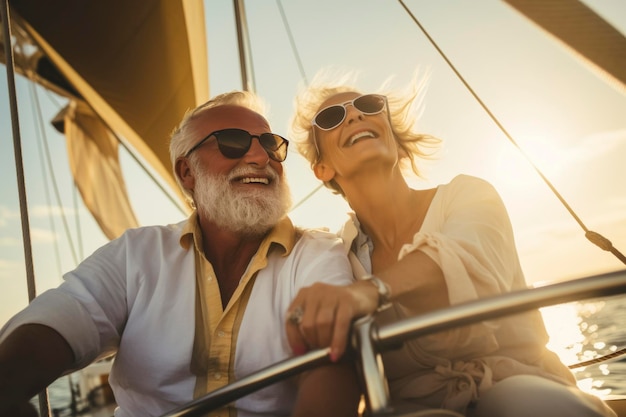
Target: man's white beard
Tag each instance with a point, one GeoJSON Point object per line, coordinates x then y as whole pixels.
{"type": "Point", "coordinates": [250, 212]}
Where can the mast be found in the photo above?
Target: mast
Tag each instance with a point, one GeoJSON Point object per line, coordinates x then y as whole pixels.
{"type": "Point", "coordinates": [243, 42]}
{"type": "Point", "coordinates": [44, 404]}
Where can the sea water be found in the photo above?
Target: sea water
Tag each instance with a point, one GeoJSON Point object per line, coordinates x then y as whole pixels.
{"type": "Point", "coordinates": [579, 332]}
{"type": "Point", "coordinates": [588, 330]}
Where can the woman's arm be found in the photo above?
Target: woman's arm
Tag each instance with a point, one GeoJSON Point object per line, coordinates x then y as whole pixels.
{"type": "Point", "coordinates": [471, 255]}
{"type": "Point", "coordinates": [330, 390]}
{"type": "Point", "coordinates": [328, 311]}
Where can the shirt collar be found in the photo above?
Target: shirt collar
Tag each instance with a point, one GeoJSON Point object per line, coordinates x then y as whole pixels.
{"type": "Point", "coordinates": [352, 235]}
{"type": "Point", "coordinates": [283, 235]}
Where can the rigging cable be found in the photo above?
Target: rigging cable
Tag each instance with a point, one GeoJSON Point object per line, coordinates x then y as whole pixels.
{"type": "Point", "coordinates": [54, 183]}
{"type": "Point", "coordinates": [594, 237]}
{"type": "Point", "coordinates": [144, 166]}
{"type": "Point", "coordinates": [42, 162]}
{"type": "Point", "coordinates": [44, 402]}
{"type": "Point", "coordinates": [294, 49]}
{"type": "Point", "coordinates": [79, 233]}
{"type": "Point", "coordinates": [292, 41]}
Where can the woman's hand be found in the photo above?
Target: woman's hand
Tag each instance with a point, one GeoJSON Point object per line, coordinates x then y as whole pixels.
{"type": "Point", "coordinates": [321, 316]}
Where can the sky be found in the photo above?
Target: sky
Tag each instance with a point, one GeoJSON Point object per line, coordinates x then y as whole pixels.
{"type": "Point", "coordinates": [570, 121]}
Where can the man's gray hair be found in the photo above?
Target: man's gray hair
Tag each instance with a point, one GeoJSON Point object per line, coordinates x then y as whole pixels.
{"type": "Point", "coordinates": [184, 136]}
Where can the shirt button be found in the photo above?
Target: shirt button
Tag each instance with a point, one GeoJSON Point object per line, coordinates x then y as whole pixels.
{"type": "Point", "coordinates": [209, 278]}
{"type": "Point", "coordinates": [221, 333]}
{"type": "Point", "coordinates": [217, 375]}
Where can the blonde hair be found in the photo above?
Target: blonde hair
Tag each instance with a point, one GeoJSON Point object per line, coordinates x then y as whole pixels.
{"type": "Point", "coordinates": [405, 107]}
{"type": "Point", "coordinates": [185, 136]}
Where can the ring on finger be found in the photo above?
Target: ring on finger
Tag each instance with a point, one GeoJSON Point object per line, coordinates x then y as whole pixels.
{"type": "Point", "coordinates": [295, 316]}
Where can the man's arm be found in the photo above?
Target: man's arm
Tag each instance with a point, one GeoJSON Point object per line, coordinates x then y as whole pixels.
{"type": "Point", "coordinates": [31, 358]}
{"type": "Point", "coordinates": [331, 390]}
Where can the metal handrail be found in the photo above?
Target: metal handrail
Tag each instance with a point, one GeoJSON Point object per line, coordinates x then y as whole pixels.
{"type": "Point", "coordinates": [391, 336]}
{"type": "Point", "coordinates": [602, 285]}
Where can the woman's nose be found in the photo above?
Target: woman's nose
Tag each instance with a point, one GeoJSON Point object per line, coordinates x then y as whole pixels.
{"type": "Point", "coordinates": [353, 114]}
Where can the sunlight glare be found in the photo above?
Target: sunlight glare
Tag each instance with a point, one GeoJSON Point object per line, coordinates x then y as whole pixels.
{"type": "Point", "coordinates": [593, 386]}
{"type": "Point", "coordinates": [544, 153]}
{"type": "Point", "coordinates": [574, 340]}
{"type": "Point", "coordinates": [566, 338]}
{"type": "Point", "coordinates": [513, 168]}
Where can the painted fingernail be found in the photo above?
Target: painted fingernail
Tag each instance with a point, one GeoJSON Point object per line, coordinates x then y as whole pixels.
{"type": "Point", "coordinates": [299, 350]}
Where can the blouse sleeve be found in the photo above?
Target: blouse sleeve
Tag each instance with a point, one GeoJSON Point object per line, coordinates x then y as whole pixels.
{"type": "Point", "coordinates": [474, 244]}
{"type": "Point", "coordinates": [471, 239]}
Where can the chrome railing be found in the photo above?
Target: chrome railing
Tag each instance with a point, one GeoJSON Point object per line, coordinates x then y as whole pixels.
{"type": "Point", "coordinates": [369, 340]}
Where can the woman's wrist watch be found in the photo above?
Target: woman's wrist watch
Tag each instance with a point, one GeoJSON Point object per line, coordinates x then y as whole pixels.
{"type": "Point", "coordinates": [384, 291]}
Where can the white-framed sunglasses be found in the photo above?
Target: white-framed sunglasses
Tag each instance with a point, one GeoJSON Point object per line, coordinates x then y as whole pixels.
{"type": "Point", "coordinates": [331, 117]}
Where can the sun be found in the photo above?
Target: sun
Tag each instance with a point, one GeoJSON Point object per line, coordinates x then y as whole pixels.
{"type": "Point", "coordinates": [544, 153]}
{"type": "Point", "coordinates": [518, 166]}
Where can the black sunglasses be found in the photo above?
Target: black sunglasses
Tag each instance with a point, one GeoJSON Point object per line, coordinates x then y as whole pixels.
{"type": "Point", "coordinates": [332, 116]}
{"type": "Point", "coordinates": [235, 143]}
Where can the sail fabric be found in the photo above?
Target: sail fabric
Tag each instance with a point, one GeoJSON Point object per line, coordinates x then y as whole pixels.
{"type": "Point", "coordinates": [140, 64]}
{"type": "Point", "coordinates": [591, 38]}
{"type": "Point", "coordinates": [94, 162]}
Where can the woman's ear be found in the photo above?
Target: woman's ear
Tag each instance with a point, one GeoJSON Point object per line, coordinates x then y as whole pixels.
{"type": "Point", "coordinates": [323, 172]}
{"type": "Point", "coordinates": [184, 173]}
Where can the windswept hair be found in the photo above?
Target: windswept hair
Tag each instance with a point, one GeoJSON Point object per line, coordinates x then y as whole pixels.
{"type": "Point", "coordinates": [185, 135]}
{"type": "Point", "coordinates": [405, 107]}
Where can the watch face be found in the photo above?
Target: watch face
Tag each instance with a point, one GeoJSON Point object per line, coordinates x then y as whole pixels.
{"type": "Point", "coordinates": [384, 292]}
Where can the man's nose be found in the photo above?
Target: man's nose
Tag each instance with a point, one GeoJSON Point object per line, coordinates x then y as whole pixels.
{"type": "Point", "coordinates": [257, 154]}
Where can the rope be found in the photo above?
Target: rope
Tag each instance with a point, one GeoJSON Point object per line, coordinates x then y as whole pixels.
{"type": "Point", "coordinates": [599, 359]}
{"type": "Point", "coordinates": [594, 237]}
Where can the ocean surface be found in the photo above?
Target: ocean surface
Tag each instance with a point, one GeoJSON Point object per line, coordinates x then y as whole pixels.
{"type": "Point", "coordinates": [579, 332]}
{"type": "Point", "coordinates": [589, 330]}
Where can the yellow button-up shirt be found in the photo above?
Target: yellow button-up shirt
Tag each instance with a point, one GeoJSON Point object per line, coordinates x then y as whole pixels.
{"type": "Point", "coordinates": [217, 328]}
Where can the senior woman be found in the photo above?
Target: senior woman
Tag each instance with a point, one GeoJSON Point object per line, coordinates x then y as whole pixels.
{"type": "Point", "coordinates": [420, 250]}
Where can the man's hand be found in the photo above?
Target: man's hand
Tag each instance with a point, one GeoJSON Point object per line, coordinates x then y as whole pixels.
{"type": "Point", "coordinates": [31, 358]}
{"type": "Point", "coordinates": [22, 410]}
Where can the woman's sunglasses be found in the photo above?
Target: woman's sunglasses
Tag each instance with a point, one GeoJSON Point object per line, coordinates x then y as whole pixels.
{"type": "Point", "coordinates": [332, 116]}
{"type": "Point", "coordinates": [235, 143]}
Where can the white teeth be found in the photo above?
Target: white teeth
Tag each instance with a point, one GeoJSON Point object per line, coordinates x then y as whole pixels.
{"type": "Point", "coordinates": [360, 135]}
{"type": "Point", "coordinates": [255, 180]}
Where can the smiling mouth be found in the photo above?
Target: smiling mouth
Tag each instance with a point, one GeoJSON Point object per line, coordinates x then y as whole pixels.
{"type": "Point", "coordinates": [253, 176]}
{"type": "Point", "coordinates": [360, 136]}
{"type": "Point", "coordinates": [253, 180]}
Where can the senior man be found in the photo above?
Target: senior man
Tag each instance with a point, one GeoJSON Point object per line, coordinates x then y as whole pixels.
{"type": "Point", "coordinates": [188, 308]}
